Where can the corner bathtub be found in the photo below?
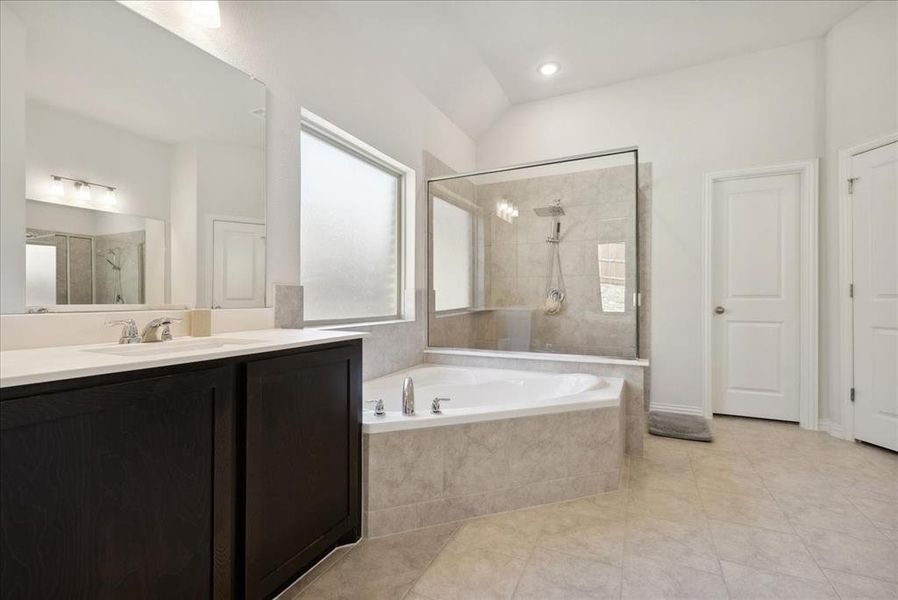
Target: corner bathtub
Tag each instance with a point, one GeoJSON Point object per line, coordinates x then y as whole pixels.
{"type": "Point", "coordinates": [506, 440]}
{"type": "Point", "coordinates": [480, 394]}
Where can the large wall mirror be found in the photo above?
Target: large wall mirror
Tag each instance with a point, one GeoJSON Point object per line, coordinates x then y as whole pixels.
{"type": "Point", "coordinates": [144, 166]}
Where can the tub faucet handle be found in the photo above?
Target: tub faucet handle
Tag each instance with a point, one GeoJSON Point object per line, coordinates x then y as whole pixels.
{"type": "Point", "coordinates": [378, 407]}
{"type": "Point", "coordinates": [435, 405]}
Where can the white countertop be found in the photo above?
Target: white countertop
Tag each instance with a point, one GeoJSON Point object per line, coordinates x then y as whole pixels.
{"type": "Point", "coordinates": [38, 365]}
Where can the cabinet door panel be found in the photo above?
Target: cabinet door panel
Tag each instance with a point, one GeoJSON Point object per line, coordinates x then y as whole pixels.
{"type": "Point", "coordinates": [302, 418]}
{"type": "Point", "coordinates": [107, 492]}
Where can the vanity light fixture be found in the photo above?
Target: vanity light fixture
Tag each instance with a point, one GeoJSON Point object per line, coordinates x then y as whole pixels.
{"type": "Point", "coordinates": [57, 187]}
{"type": "Point", "coordinates": [206, 13]}
{"type": "Point", "coordinates": [82, 190]}
{"type": "Point", "coordinates": [109, 198]}
{"type": "Point", "coordinates": [549, 69]}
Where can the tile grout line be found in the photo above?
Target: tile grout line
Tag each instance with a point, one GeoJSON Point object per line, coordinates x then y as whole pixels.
{"type": "Point", "coordinates": [803, 544]}
{"type": "Point", "coordinates": [708, 525]}
{"type": "Point", "coordinates": [431, 561]}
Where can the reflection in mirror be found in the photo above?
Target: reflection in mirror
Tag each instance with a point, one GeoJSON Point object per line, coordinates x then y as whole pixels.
{"type": "Point", "coordinates": [76, 256]}
{"type": "Point", "coordinates": [143, 165]}
{"type": "Point", "coordinates": [454, 248]}
{"type": "Point", "coordinates": [613, 276]}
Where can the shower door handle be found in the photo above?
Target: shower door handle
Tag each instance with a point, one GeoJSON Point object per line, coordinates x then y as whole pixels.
{"type": "Point", "coordinates": [719, 310]}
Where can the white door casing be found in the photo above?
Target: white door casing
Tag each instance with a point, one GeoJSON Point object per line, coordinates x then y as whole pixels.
{"type": "Point", "coordinates": [760, 267]}
{"type": "Point", "coordinates": [238, 269]}
{"type": "Point", "coordinates": [874, 212]}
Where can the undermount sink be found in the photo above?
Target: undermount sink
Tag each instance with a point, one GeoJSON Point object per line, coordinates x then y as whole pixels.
{"type": "Point", "coordinates": [173, 347]}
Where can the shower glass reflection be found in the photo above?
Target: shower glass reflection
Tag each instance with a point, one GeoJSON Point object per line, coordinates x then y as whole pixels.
{"type": "Point", "coordinates": [539, 258]}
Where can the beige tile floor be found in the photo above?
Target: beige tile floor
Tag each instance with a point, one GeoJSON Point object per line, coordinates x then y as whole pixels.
{"type": "Point", "coordinates": [765, 511]}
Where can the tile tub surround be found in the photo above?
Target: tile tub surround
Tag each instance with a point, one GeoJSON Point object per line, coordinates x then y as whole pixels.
{"type": "Point", "coordinates": [428, 476]}
{"type": "Point", "coordinates": [634, 400]}
{"type": "Point", "coordinates": [288, 306]}
{"type": "Point", "coordinates": [677, 531]}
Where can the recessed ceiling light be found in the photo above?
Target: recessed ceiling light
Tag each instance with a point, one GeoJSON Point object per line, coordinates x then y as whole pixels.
{"type": "Point", "coordinates": [548, 69]}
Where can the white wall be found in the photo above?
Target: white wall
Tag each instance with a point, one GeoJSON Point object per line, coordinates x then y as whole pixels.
{"type": "Point", "coordinates": [861, 105]}
{"type": "Point", "coordinates": [63, 143]}
{"type": "Point", "coordinates": [302, 52]}
{"type": "Point", "coordinates": [755, 109]}
{"type": "Point", "coordinates": [12, 161]}
{"type": "Point", "coordinates": [230, 183]}
{"type": "Point", "coordinates": [183, 215]}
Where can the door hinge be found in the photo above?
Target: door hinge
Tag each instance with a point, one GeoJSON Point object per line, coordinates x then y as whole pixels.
{"type": "Point", "coordinates": [851, 181]}
{"type": "Point", "coordinates": [851, 395]}
{"type": "Point", "coordinates": [851, 290]}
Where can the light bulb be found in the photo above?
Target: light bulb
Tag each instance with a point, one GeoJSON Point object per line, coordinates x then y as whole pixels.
{"type": "Point", "coordinates": [206, 13]}
{"type": "Point", "coordinates": [109, 197]}
{"type": "Point", "coordinates": [548, 69]}
{"type": "Point", "coordinates": [57, 187]}
{"type": "Point", "coordinates": [82, 190]}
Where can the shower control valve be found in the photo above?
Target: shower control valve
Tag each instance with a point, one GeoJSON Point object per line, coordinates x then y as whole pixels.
{"type": "Point", "coordinates": [435, 405]}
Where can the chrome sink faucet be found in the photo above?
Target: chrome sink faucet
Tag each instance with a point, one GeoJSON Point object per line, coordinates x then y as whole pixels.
{"type": "Point", "coordinates": [129, 331]}
{"type": "Point", "coordinates": [158, 330]}
{"type": "Point", "coordinates": [408, 396]}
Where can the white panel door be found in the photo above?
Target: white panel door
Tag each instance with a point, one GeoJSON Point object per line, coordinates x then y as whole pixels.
{"type": "Point", "coordinates": [238, 269]}
{"type": "Point", "coordinates": [755, 294]}
{"type": "Point", "coordinates": [875, 267]}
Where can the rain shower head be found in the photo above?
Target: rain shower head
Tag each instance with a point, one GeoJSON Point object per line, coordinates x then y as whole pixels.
{"type": "Point", "coordinates": [554, 210]}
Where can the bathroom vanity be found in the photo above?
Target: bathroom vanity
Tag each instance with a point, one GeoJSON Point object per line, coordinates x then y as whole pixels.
{"type": "Point", "coordinates": [184, 469]}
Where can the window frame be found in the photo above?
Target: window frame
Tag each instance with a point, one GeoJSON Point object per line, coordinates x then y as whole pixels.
{"type": "Point", "coordinates": [473, 212]}
{"type": "Point", "coordinates": [405, 217]}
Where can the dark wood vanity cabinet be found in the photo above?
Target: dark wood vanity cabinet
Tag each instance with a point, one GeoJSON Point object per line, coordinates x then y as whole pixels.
{"type": "Point", "coordinates": [220, 479]}
{"type": "Point", "coordinates": [119, 491]}
{"type": "Point", "coordinates": [302, 462]}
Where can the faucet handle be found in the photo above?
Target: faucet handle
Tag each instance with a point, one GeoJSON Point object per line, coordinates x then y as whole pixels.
{"type": "Point", "coordinates": [435, 405]}
{"type": "Point", "coordinates": [378, 407]}
{"type": "Point", "coordinates": [158, 330]}
{"type": "Point", "coordinates": [129, 330]}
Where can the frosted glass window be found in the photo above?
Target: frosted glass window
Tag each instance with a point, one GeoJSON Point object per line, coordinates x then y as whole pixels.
{"type": "Point", "coordinates": [453, 256]}
{"type": "Point", "coordinates": [40, 275]}
{"type": "Point", "coordinates": [613, 276]}
{"type": "Point", "coordinates": [350, 234]}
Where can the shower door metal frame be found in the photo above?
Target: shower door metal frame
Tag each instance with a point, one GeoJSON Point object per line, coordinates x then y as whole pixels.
{"type": "Point", "coordinates": [428, 249]}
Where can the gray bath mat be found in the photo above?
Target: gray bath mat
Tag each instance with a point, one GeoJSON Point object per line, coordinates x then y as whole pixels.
{"type": "Point", "coordinates": [675, 425]}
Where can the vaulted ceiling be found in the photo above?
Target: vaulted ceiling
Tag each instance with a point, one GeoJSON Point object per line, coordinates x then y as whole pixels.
{"type": "Point", "coordinates": [474, 59]}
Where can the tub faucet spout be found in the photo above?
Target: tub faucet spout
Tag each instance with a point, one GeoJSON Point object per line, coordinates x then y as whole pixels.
{"type": "Point", "coordinates": [408, 396]}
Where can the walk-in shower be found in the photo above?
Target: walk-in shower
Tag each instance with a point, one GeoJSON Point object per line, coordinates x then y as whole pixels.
{"type": "Point", "coordinates": [541, 257]}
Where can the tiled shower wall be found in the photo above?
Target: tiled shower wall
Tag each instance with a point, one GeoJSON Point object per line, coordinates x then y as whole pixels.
{"type": "Point", "coordinates": [599, 208]}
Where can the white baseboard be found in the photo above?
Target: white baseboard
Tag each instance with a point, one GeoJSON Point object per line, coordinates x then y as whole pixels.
{"type": "Point", "coordinates": [677, 408]}
{"type": "Point", "coordinates": [834, 429]}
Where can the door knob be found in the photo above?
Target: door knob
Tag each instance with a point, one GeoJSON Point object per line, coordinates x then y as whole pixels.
{"type": "Point", "coordinates": [719, 310]}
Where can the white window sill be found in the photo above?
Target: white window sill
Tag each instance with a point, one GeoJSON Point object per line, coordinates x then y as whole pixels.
{"type": "Point", "coordinates": [351, 326]}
